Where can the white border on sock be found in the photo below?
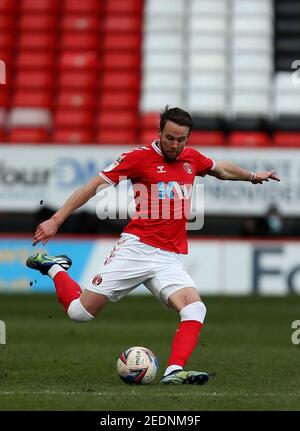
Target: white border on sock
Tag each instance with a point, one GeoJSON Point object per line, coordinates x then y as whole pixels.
{"type": "Point", "coordinates": [55, 269]}
{"type": "Point", "coordinates": [172, 368]}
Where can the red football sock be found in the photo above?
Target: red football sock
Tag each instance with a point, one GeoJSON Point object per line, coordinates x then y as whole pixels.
{"type": "Point", "coordinates": [184, 342]}
{"type": "Point", "coordinates": [66, 289]}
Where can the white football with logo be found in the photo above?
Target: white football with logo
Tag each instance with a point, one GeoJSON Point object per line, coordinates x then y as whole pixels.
{"type": "Point", "coordinates": [137, 365]}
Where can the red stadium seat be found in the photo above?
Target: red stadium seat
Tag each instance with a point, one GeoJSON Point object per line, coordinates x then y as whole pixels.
{"type": "Point", "coordinates": [86, 60]}
{"type": "Point", "coordinates": [74, 118]}
{"type": "Point", "coordinates": [24, 98]}
{"type": "Point", "coordinates": [34, 79]}
{"type": "Point", "coordinates": [117, 119]}
{"type": "Point", "coordinates": [6, 40]}
{"type": "Point", "coordinates": [80, 23]}
{"type": "Point", "coordinates": [122, 23]}
{"type": "Point", "coordinates": [121, 80]}
{"type": "Point", "coordinates": [85, 80]}
{"type": "Point", "coordinates": [80, 41]}
{"type": "Point", "coordinates": [4, 96]}
{"type": "Point", "coordinates": [79, 60]}
{"type": "Point", "coordinates": [37, 40]}
{"type": "Point", "coordinates": [83, 6]}
{"type": "Point", "coordinates": [150, 120]}
{"type": "Point", "coordinates": [287, 139]}
{"type": "Point", "coordinates": [119, 100]}
{"type": "Point", "coordinates": [7, 22]}
{"type": "Point", "coordinates": [3, 117]}
{"type": "Point", "coordinates": [76, 99]}
{"type": "Point", "coordinates": [119, 136]}
{"type": "Point", "coordinates": [6, 56]}
{"type": "Point", "coordinates": [123, 41]}
{"type": "Point", "coordinates": [7, 6]}
{"type": "Point", "coordinates": [121, 60]}
{"type": "Point", "coordinates": [37, 22]}
{"type": "Point", "coordinates": [39, 5]}
{"type": "Point", "coordinates": [249, 139]}
{"type": "Point", "coordinates": [74, 136]}
{"type": "Point", "coordinates": [2, 136]}
{"type": "Point", "coordinates": [207, 138]}
{"type": "Point", "coordinates": [28, 136]}
{"type": "Point", "coordinates": [124, 6]}
{"type": "Point", "coordinates": [29, 59]}
{"type": "Point", "coordinates": [148, 136]}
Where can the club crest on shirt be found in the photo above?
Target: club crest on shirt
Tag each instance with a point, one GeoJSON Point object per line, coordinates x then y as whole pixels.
{"type": "Point", "coordinates": [97, 280]}
{"type": "Point", "coordinates": [187, 167]}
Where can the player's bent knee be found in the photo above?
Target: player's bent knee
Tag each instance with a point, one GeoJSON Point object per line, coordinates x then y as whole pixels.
{"type": "Point", "coordinates": [194, 311]}
{"type": "Point", "coordinates": [77, 312]}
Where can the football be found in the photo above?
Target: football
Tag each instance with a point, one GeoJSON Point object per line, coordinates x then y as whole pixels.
{"type": "Point", "coordinates": [137, 365]}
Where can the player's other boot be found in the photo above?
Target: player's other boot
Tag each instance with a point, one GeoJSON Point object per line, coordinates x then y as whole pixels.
{"type": "Point", "coordinates": [181, 377]}
{"type": "Point", "coordinates": [43, 262]}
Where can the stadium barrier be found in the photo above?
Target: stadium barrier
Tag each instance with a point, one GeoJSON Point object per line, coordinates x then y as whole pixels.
{"type": "Point", "coordinates": [29, 174]}
{"type": "Point", "coordinates": [219, 267]}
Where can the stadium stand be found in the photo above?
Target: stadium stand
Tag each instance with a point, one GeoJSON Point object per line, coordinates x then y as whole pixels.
{"type": "Point", "coordinates": [73, 59]}
{"type": "Point", "coordinates": [102, 70]}
{"type": "Point", "coordinates": [286, 87]}
{"type": "Point", "coordinates": [119, 87]}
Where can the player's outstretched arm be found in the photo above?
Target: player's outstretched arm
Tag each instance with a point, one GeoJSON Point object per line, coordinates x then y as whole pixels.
{"type": "Point", "coordinates": [226, 170]}
{"type": "Point", "coordinates": [46, 230]}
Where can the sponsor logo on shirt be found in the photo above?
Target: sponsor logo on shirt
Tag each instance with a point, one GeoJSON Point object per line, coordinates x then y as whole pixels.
{"type": "Point", "coordinates": [174, 190]}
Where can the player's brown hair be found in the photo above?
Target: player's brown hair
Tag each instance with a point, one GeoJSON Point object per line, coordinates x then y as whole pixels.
{"type": "Point", "coordinates": [177, 115]}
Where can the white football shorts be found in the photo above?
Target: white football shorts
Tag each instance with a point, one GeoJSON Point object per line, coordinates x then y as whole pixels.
{"type": "Point", "coordinates": [132, 263]}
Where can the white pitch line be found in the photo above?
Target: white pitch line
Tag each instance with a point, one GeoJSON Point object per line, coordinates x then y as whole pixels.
{"type": "Point", "coordinates": [206, 394]}
{"type": "Point", "coordinates": [100, 394]}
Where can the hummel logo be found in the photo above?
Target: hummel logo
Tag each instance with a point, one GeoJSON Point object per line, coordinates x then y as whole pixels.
{"type": "Point", "coordinates": [160, 169]}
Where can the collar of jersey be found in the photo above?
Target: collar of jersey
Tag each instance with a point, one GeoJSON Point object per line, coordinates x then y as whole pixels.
{"type": "Point", "coordinates": [156, 148]}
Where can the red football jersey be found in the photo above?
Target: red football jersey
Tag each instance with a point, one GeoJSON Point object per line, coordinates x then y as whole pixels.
{"type": "Point", "coordinates": [162, 192]}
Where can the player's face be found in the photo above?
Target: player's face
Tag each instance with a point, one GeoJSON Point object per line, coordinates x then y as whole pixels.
{"type": "Point", "coordinates": [173, 139]}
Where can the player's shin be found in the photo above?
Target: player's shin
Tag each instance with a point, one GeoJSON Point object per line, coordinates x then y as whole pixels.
{"type": "Point", "coordinates": [66, 289]}
{"type": "Point", "coordinates": [68, 293]}
{"type": "Point", "coordinates": [186, 337]}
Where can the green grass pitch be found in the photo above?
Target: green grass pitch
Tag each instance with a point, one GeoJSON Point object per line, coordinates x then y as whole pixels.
{"type": "Point", "coordinates": [52, 363]}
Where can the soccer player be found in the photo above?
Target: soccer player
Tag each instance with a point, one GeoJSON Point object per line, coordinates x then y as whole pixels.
{"type": "Point", "coordinates": [150, 247]}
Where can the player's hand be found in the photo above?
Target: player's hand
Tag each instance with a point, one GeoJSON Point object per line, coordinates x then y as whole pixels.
{"type": "Point", "coordinates": [45, 231]}
{"type": "Point", "coordinates": [265, 176]}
